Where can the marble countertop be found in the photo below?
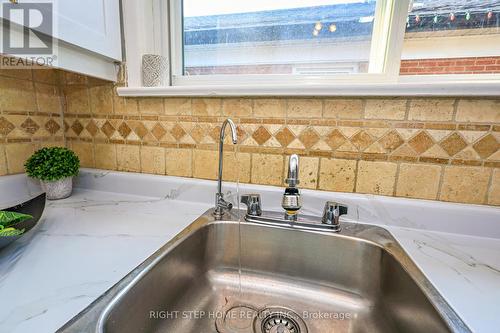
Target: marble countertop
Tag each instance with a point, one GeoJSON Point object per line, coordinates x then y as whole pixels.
{"type": "Point", "coordinates": [85, 244]}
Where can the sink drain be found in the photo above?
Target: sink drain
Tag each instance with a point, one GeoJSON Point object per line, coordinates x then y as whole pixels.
{"type": "Point", "coordinates": [279, 320]}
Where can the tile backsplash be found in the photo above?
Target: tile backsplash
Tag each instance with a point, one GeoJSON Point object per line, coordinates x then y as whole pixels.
{"type": "Point", "coordinates": [431, 148]}
{"type": "Point", "coordinates": [30, 115]}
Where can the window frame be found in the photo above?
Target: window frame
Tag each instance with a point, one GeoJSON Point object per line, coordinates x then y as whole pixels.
{"type": "Point", "coordinates": [386, 46]}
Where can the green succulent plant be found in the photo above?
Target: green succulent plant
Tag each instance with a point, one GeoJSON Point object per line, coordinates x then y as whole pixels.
{"type": "Point", "coordinates": [51, 164]}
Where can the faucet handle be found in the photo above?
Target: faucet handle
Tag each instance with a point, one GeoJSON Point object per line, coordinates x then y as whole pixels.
{"type": "Point", "coordinates": [254, 207]}
{"type": "Point", "coordinates": [332, 213]}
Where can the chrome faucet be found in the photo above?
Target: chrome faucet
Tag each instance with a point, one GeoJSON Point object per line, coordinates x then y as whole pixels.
{"type": "Point", "coordinates": [221, 205]}
{"type": "Point", "coordinates": [292, 202]}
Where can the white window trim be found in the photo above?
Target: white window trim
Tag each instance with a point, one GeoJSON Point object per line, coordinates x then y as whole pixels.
{"type": "Point", "coordinates": [147, 30]}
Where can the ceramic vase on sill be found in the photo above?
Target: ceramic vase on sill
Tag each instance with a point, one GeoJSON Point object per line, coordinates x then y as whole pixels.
{"type": "Point", "coordinates": [154, 71]}
{"type": "Point", "coordinates": [59, 189]}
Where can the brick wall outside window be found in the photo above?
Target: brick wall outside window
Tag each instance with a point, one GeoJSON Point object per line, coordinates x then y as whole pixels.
{"type": "Point", "coordinates": [482, 65]}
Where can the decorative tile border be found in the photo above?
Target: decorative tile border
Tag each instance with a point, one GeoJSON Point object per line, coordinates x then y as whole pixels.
{"type": "Point", "coordinates": [439, 143]}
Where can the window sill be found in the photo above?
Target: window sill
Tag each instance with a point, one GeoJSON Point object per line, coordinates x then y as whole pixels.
{"type": "Point", "coordinates": [403, 88]}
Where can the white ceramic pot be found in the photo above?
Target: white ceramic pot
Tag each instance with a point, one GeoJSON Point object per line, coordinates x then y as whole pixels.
{"type": "Point", "coordinates": [59, 189]}
{"type": "Point", "coordinates": [154, 71]}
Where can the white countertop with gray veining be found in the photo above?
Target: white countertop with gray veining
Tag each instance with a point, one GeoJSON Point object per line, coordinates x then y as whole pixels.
{"type": "Point", "coordinates": [114, 221]}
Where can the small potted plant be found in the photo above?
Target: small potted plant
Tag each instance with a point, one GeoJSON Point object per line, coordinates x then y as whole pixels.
{"type": "Point", "coordinates": [55, 167]}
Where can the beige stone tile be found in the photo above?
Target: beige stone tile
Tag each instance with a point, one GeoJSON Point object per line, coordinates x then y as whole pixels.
{"type": "Point", "coordinates": [494, 194]}
{"type": "Point", "coordinates": [343, 108]}
{"type": "Point", "coordinates": [177, 106]}
{"type": "Point", "coordinates": [269, 108]}
{"type": "Point", "coordinates": [151, 105]}
{"type": "Point", "coordinates": [74, 78]}
{"type": "Point", "coordinates": [48, 98]}
{"type": "Point", "coordinates": [125, 105]}
{"type": "Point", "coordinates": [487, 146]}
{"type": "Point", "coordinates": [465, 184]}
{"type": "Point", "coordinates": [308, 171]}
{"type": "Point", "coordinates": [46, 75]}
{"type": "Point", "coordinates": [431, 109]}
{"type": "Point", "coordinates": [85, 152]}
{"type": "Point", "coordinates": [17, 154]}
{"type": "Point", "coordinates": [267, 169]}
{"type": "Point", "coordinates": [304, 108]}
{"type": "Point", "coordinates": [48, 144]}
{"type": "Point", "coordinates": [77, 99]}
{"type": "Point", "coordinates": [105, 156]}
{"type": "Point", "coordinates": [23, 73]}
{"type": "Point", "coordinates": [337, 175]}
{"type": "Point", "coordinates": [478, 110]}
{"type": "Point", "coordinates": [392, 109]}
{"type": "Point", "coordinates": [153, 160]}
{"type": "Point", "coordinates": [178, 162]}
{"type": "Point", "coordinates": [418, 181]}
{"type": "Point", "coordinates": [376, 177]}
{"type": "Point", "coordinates": [236, 167]}
{"type": "Point", "coordinates": [206, 106]}
{"type": "Point", "coordinates": [101, 99]}
{"type": "Point", "coordinates": [3, 161]}
{"type": "Point", "coordinates": [237, 107]}
{"type": "Point", "coordinates": [17, 95]}
{"type": "Point", "coordinates": [205, 164]}
{"type": "Point", "coordinates": [128, 158]}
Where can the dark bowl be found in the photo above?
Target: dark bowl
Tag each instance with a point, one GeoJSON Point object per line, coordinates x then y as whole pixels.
{"type": "Point", "coordinates": [33, 207]}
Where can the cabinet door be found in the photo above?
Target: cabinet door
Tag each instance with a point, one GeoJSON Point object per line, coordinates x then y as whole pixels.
{"type": "Point", "coordinates": [93, 25]}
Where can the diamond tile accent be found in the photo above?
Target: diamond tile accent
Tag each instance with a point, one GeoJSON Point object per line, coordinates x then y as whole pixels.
{"type": "Point", "coordinates": [214, 133]}
{"type": "Point", "coordinates": [30, 126]}
{"type": "Point", "coordinates": [309, 137]}
{"type": "Point", "coordinates": [77, 127]}
{"type": "Point", "coordinates": [453, 144]}
{"type": "Point", "coordinates": [197, 133]}
{"type": "Point", "coordinates": [140, 130]}
{"type": "Point", "coordinates": [261, 135]}
{"type": "Point", "coordinates": [391, 141]}
{"type": "Point", "coordinates": [158, 132]}
{"type": "Point", "coordinates": [241, 134]}
{"type": "Point", "coordinates": [335, 139]}
{"type": "Point", "coordinates": [284, 137]}
{"type": "Point", "coordinates": [108, 129]}
{"type": "Point", "coordinates": [124, 130]}
{"type": "Point", "coordinates": [6, 126]}
{"type": "Point", "coordinates": [52, 126]}
{"type": "Point", "coordinates": [92, 128]}
{"type": "Point", "coordinates": [362, 140]}
{"type": "Point", "coordinates": [178, 132]}
{"type": "Point", "coordinates": [486, 146]}
{"type": "Point", "coordinates": [421, 142]}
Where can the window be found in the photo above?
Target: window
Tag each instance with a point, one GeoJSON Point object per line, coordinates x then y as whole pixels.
{"type": "Point", "coordinates": [317, 47]}
{"type": "Point", "coordinates": [294, 37]}
{"type": "Point", "coordinates": [452, 37]}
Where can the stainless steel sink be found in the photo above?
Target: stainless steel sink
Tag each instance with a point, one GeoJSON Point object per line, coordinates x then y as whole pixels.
{"type": "Point", "coordinates": [291, 281]}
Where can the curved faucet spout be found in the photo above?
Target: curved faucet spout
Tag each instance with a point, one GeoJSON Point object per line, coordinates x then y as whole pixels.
{"type": "Point", "coordinates": [220, 203]}
{"type": "Point", "coordinates": [234, 136]}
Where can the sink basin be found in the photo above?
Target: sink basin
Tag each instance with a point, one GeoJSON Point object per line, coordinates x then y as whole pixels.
{"type": "Point", "coordinates": [359, 280]}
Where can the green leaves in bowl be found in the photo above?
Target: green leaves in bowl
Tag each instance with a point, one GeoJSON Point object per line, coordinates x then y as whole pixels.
{"type": "Point", "coordinates": [10, 232]}
{"type": "Point", "coordinates": [10, 218]}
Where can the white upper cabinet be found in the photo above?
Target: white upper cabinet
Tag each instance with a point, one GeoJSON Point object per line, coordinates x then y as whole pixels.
{"type": "Point", "coordinates": [91, 24]}
{"type": "Point", "coordinates": [88, 33]}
